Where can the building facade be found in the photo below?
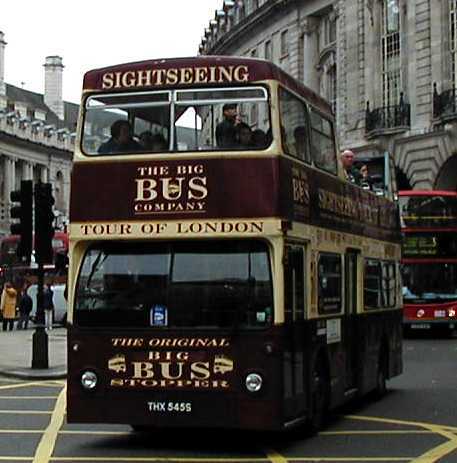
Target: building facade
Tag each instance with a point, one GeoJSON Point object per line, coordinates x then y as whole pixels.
{"type": "Point", "coordinates": [37, 136]}
{"type": "Point", "coordinates": [388, 67]}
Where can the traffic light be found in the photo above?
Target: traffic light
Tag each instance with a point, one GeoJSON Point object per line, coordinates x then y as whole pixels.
{"type": "Point", "coordinates": [44, 223]}
{"type": "Point", "coordinates": [24, 212]}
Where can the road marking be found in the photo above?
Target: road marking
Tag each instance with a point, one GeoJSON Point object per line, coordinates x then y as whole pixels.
{"type": "Point", "coordinates": [275, 457]}
{"type": "Point", "coordinates": [436, 453]}
{"type": "Point", "coordinates": [46, 446]}
{"type": "Point", "coordinates": [432, 455]}
{"type": "Point", "coordinates": [401, 422]}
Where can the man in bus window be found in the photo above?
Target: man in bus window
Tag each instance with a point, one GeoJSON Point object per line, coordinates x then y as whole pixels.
{"type": "Point", "coordinates": [121, 140]}
{"type": "Point", "coordinates": [227, 130]}
{"type": "Point", "coordinates": [352, 173]}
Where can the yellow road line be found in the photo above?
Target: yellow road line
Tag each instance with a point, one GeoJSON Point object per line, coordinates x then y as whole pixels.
{"type": "Point", "coordinates": [440, 451]}
{"type": "Point", "coordinates": [401, 422]}
{"type": "Point", "coordinates": [275, 457]}
{"type": "Point", "coordinates": [48, 440]}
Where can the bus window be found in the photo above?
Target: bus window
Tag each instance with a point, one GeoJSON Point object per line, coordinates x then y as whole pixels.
{"type": "Point", "coordinates": [197, 115]}
{"type": "Point", "coordinates": [294, 126]}
{"type": "Point", "coordinates": [294, 284]}
{"type": "Point", "coordinates": [322, 142]}
{"type": "Point", "coordinates": [197, 284]}
{"type": "Point", "coordinates": [329, 283]}
{"type": "Point", "coordinates": [379, 284]}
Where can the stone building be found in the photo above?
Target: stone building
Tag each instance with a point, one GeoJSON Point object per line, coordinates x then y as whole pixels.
{"type": "Point", "coordinates": [37, 136]}
{"type": "Point", "coordinates": [388, 67]}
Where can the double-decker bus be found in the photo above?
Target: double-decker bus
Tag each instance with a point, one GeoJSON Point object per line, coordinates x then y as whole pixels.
{"type": "Point", "coordinates": [429, 259]}
{"type": "Point", "coordinates": [12, 268]}
{"type": "Point", "coordinates": [222, 271]}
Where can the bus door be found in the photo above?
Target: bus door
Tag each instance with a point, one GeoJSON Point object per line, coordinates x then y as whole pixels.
{"type": "Point", "coordinates": [350, 330]}
{"type": "Point", "coordinates": [294, 310]}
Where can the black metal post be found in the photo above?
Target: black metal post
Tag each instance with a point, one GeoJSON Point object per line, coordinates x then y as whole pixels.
{"type": "Point", "coordinates": [40, 358]}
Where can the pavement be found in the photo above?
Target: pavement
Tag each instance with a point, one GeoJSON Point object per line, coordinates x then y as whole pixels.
{"type": "Point", "coordinates": [16, 352]}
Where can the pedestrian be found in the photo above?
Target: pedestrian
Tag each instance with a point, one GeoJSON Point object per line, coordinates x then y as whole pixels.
{"type": "Point", "coordinates": [25, 308]}
{"type": "Point", "coordinates": [48, 306]}
{"type": "Point", "coordinates": [8, 306]}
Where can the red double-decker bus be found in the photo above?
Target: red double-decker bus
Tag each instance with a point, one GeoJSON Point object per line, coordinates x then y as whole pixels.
{"type": "Point", "coordinates": [223, 272]}
{"type": "Point", "coordinates": [12, 268]}
{"type": "Point", "coordinates": [429, 259]}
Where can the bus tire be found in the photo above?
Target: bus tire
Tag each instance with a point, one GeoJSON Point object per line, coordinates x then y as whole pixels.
{"type": "Point", "coordinates": [319, 397]}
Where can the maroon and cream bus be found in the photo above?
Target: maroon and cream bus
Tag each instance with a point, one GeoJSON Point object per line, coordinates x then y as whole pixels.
{"type": "Point", "coordinates": [429, 259]}
{"type": "Point", "coordinates": [222, 271]}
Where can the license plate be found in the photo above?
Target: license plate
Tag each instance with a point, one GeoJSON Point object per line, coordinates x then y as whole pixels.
{"type": "Point", "coordinates": [420, 326]}
{"type": "Point", "coordinates": [168, 406]}
{"type": "Point", "coordinates": [440, 313]}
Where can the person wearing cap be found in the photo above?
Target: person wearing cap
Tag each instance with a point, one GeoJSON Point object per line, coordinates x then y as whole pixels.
{"type": "Point", "coordinates": [352, 173]}
{"type": "Point", "coordinates": [227, 130]}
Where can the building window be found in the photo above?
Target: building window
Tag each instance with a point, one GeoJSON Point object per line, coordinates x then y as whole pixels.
{"type": "Point", "coordinates": [284, 42]}
{"type": "Point", "coordinates": [327, 31]}
{"type": "Point", "coordinates": [453, 40]}
{"type": "Point", "coordinates": [268, 50]}
{"type": "Point", "coordinates": [390, 53]}
{"type": "Point", "coordinates": [331, 87]}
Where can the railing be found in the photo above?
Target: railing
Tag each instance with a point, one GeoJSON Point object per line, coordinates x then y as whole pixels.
{"type": "Point", "coordinates": [388, 117]}
{"type": "Point", "coordinates": [444, 103]}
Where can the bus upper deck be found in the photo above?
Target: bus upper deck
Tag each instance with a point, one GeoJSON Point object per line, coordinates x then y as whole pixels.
{"type": "Point", "coordinates": [290, 171]}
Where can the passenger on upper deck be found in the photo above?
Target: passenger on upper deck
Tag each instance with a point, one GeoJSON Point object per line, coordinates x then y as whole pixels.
{"type": "Point", "coordinates": [121, 140]}
{"type": "Point", "coordinates": [245, 135]}
{"type": "Point", "coordinates": [352, 173]}
{"type": "Point", "coordinates": [227, 131]}
{"type": "Point", "coordinates": [153, 142]}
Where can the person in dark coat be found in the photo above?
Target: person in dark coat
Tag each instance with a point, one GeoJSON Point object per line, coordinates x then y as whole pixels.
{"type": "Point", "coordinates": [227, 130]}
{"type": "Point", "coordinates": [121, 140]}
{"type": "Point", "coordinates": [48, 306]}
{"type": "Point", "coordinates": [25, 308]}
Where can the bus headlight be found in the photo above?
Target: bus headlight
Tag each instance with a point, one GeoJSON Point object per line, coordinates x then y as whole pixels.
{"type": "Point", "coordinates": [254, 382]}
{"type": "Point", "coordinates": [89, 380]}
{"type": "Point", "coordinates": [420, 313]}
{"type": "Point", "coordinates": [451, 312]}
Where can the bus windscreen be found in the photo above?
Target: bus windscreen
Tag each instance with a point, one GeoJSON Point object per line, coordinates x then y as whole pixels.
{"type": "Point", "coordinates": [428, 211]}
{"type": "Point", "coordinates": [185, 284]}
{"type": "Point", "coordinates": [433, 282]}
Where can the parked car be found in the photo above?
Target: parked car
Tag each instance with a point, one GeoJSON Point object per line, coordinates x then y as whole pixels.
{"type": "Point", "coordinates": [60, 304]}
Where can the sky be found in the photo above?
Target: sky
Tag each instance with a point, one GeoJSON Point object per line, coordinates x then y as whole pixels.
{"type": "Point", "coordinates": [89, 34]}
